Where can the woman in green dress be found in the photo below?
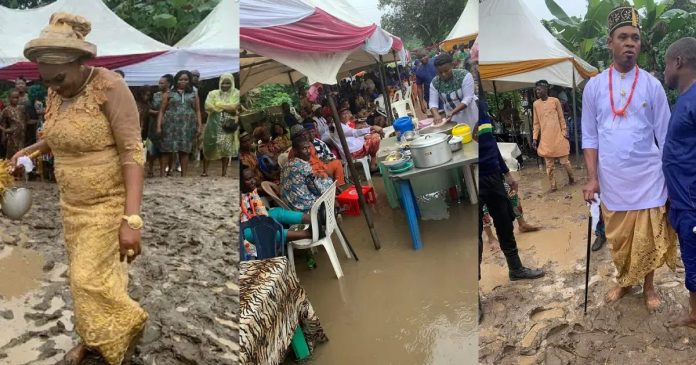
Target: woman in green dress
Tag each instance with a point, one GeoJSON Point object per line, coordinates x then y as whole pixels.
{"type": "Point", "coordinates": [179, 121]}
{"type": "Point", "coordinates": [220, 139]}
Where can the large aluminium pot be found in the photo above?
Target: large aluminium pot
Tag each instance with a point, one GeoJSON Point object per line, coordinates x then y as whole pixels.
{"type": "Point", "coordinates": [430, 150]}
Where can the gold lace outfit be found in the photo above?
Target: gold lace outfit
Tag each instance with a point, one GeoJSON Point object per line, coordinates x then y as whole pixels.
{"type": "Point", "coordinates": [91, 137]}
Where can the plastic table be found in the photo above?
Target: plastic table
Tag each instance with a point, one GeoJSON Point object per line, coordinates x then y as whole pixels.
{"type": "Point", "coordinates": [463, 158]}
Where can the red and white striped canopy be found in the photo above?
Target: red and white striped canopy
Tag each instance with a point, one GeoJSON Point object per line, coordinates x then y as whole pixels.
{"type": "Point", "coordinates": [313, 38]}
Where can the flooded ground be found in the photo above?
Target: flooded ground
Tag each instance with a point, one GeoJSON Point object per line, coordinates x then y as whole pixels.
{"type": "Point", "coordinates": [186, 278]}
{"type": "Point", "coordinates": [397, 305]}
{"type": "Point", "coordinates": [542, 322]}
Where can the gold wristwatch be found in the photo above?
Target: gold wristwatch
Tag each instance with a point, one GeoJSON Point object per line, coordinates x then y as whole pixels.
{"type": "Point", "coordinates": [134, 221]}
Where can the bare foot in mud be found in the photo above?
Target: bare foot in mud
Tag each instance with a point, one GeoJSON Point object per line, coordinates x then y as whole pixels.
{"type": "Point", "coordinates": [526, 227]}
{"type": "Point", "coordinates": [652, 300]}
{"type": "Point", "coordinates": [615, 294]}
{"type": "Point", "coordinates": [75, 356]}
{"type": "Point", "coordinates": [495, 245]}
{"type": "Point", "coordinates": [682, 321]}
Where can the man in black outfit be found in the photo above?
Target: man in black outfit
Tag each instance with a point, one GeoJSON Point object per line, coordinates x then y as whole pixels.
{"type": "Point", "coordinates": [492, 171]}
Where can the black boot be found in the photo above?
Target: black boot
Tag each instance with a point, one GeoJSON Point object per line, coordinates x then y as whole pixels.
{"type": "Point", "coordinates": [480, 310]}
{"type": "Point", "coordinates": [525, 273]}
{"type": "Point", "coordinates": [599, 242]}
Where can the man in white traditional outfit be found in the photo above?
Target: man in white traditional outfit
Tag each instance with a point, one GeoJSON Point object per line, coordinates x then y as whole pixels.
{"type": "Point", "coordinates": [624, 123]}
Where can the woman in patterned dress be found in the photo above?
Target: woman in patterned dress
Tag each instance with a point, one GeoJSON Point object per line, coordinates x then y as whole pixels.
{"type": "Point", "coordinates": [219, 144]}
{"type": "Point", "coordinates": [179, 122]}
{"type": "Point", "coordinates": [92, 129]}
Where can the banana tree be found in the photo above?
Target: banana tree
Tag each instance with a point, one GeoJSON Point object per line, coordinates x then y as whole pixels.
{"type": "Point", "coordinates": [658, 20]}
{"type": "Point", "coordinates": [586, 36]}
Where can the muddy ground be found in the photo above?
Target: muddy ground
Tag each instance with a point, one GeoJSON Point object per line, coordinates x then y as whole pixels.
{"type": "Point", "coordinates": [542, 322]}
{"type": "Point", "coordinates": [185, 279]}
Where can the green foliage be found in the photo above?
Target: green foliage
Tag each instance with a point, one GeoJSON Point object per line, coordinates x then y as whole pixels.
{"type": "Point", "coordinates": [269, 95]}
{"type": "Point", "coordinates": [586, 36]}
{"type": "Point", "coordinates": [24, 4]}
{"type": "Point", "coordinates": [424, 20]}
{"type": "Point", "coordinates": [166, 21]}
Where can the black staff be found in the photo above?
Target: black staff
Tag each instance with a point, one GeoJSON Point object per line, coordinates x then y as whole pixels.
{"type": "Point", "coordinates": [587, 265]}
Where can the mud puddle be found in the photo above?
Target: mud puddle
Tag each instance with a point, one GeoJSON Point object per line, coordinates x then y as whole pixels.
{"type": "Point", "coordinates": [20, 271]}
{"type": "Point", "coordinates": [397, 305]}
{"type": "Point", "coordinates": [542, 321]}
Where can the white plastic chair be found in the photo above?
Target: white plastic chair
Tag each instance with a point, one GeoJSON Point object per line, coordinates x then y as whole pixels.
{"type": "Point", "coordinates": [271, 189]}
{"type": "Point", "coordinates": [398, 96]}
{"type": "Point", "coordinates": [401, 108]}
{"type": "Point", "coordinates": [329, 200]}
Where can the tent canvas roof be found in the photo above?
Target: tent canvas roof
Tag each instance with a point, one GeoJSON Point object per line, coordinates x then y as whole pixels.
{"type": "Point", "coordinates": [467, 26]}
{"type": "Point", "coordinates": [317, 67]}
{"type": "Point", "coordinates": [220, 29]}
{"type": "Point", "coordinates": [27, 24]}
{"type": "Point", "coordinates": [517, 39]}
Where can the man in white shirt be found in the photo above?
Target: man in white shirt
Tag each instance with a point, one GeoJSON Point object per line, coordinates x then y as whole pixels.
{"type": "Point", "coordinates": [624, 123]}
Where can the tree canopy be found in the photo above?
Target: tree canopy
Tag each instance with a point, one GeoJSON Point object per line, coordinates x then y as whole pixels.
{"type": "Point", "coordinates": [421, 21]}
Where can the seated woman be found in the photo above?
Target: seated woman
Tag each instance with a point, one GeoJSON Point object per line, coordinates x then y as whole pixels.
{"type": "Point", "coordinates": [267, 146]}
{"type": "Point", "coordinates": [299, 185]}
{"type": "Point", "coordinates": [280, 136]}
{"type": "Point", "coordinates": [251, 206]}
{"type": "Point", "coordinates": [323, 161]}
{"type": "Point", "coordinates": [361, 142]}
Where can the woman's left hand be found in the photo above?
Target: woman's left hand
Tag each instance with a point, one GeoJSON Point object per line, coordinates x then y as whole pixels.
{"type": "Point", "coordinates": [128, 239]}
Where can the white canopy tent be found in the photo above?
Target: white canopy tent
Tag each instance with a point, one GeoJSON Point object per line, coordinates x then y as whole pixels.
{"type": "Point", "coordinates": [466, 29]}
{"type": "Point", "coordinates": [20, 26]}
{"type": "Point", "coordinates": [212, 48]}
{"type": "Point", "coordinates": [520, 51]}
{"type": "Point", "coordinates": [273, 65]}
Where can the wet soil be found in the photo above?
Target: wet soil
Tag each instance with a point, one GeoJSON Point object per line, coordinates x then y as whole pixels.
{"type": "Point", "coordinates": [397, 305]}
{"type": "Point", "coordinates": [186, 277]}
{"type": "Point", "coordinates": [542, 321]}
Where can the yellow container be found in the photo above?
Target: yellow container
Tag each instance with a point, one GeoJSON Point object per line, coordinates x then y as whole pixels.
{"type": "Point", "coordinates": [462, 130]}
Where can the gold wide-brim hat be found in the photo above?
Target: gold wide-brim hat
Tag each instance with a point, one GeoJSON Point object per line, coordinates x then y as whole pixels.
{"type": "Point", "coordinates": [622, 16]}
{"type": "Point", "coordinates": [62, 41]}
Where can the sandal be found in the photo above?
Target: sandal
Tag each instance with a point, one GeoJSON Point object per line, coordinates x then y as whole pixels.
{"type": "Point", "coordinates": [204, 175]}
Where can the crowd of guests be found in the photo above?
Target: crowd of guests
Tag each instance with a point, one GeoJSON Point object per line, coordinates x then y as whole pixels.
{"type": "Point", "coordinates": [21, 119]}
{"type": "Point", "coordinates": [179, 121]}
{"type": "Point", "coordinates": [303, 157]}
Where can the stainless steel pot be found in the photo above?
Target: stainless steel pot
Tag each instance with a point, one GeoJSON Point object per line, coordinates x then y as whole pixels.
{"type": "Point", "coordinates": [430, 150]}
{"type": "Point", "coordinates": [455, 143]}
{"type": "Point", "coordinates": [16, 202]}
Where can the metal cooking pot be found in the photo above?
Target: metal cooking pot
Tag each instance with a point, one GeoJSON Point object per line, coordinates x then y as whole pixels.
{"type": "Point", "coordinates": [430, 150]}
{"type": "Point", "coordinates": [16, 202]}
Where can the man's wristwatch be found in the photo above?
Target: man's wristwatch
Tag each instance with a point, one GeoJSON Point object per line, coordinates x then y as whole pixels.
{"type": "Point", "coordinates": [134, 221]}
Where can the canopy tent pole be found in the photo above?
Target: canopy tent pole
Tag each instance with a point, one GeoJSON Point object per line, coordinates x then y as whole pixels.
{"type": "Point", "coordinates": [396, 63]}
{"type": "Point", "coordinates": [495, 96]}
{"type": "Point", "coordinates": [575, 118]}
{"type": "Point", "coordinates": [353, 171]}
{"type": "Point", "coordinates": [387, 101]}
{"type": "Point", "coordinates": [293, 84]}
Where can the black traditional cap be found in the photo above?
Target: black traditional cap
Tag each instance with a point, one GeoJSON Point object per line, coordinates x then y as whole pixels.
{"type": "Point", "coordinates": [622, 16]}
{"type": "Point", "coordinates": [542, 83]}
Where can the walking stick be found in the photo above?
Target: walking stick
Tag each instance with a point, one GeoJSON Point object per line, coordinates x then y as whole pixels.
{"type": "Point", "coordinates": [587, 265]}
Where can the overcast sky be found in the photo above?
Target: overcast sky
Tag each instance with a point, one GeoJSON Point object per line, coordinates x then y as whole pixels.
{"type": "Point", "coordinates": [538, 7]}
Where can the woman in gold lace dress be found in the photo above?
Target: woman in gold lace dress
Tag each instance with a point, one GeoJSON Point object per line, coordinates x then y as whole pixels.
{"type": "Point", "coordinates": [92, 129]}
